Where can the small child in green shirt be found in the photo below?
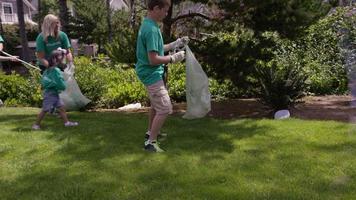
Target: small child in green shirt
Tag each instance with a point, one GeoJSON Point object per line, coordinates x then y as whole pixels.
{"type": "Point", "coordinates": [53, 83]}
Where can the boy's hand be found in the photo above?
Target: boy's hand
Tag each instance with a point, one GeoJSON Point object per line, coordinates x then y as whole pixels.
{"type": "Point", "coordinates": [184, 40]}
{"type": "Point", "coordinates": [178, 43]}
{"type": "Point", "coordinates": [181, 41]}
{"type": "Point", "coordinates": [177, 57]}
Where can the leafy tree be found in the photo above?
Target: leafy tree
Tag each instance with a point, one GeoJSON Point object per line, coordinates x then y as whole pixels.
{"type": "Point", "coordinates": [90, 22]}
{"type": "Point", "coordinates": [282, 79]}
{"type": "Point", "coordinates": [63, 14]}
{"type": "Point", "coordinates": [108, 19]}
{"type": "Point", "coordinates": [45, 7]}
{"type": "Point", "coordinates": [171, 18]}
{"type": "Point", "coordinates": [230, 55]}
{"type": "Point", "coordinates": [122, 47]}
{"type": "Point", "coordinates": [287, 17]}
{"type": "Point", "coordinates": [324, 43]}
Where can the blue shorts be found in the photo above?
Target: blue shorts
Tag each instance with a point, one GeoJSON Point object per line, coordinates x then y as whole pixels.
{"type": "Point", "coordinates": [51, 100]}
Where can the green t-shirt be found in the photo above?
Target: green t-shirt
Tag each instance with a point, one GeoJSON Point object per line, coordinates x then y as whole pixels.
{"type": "Point", "coordinates": [52, 80]}
{"type": "Point", "coordinates": [149, 39]}
{"type": "Point", "coordinates": [51, 44]}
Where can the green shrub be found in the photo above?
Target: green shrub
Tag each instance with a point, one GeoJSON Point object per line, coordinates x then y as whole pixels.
{"type": "Point", "coordinates": [118, 85]}
{"type": "Point", "coordinates": [323, 58]}
{"type": "Point", "coordinates": [223, 90]}
{"type": "Point", "coordinates": [176, 82]}
{"type": "Point", "coordinates": [123, 47]}
{"type": "Point", "coordinates": [108, 87]}
{"type": "Point", "coordinates": [19, 91]}
{"type": "Point", "coordinates": [12, 38]}
{"type": "Point", "coordinates": [229, 55]}
{"type": "Point", "coordinates": [282, 79]}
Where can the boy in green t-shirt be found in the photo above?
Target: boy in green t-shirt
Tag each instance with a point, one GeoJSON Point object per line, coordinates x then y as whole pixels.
{"type": "Point", "coordinates": [149, 67]}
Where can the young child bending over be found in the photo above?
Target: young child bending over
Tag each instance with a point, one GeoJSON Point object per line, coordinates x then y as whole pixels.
{"type": "Point", "coordinates": [53, 83]}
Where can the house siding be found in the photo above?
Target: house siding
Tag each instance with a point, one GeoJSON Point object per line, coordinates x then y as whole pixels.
{"type": "Point", "coordinates": [14, 19]}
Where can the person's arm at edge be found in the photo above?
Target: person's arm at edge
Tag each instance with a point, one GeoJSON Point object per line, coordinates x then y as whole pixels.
{"type": "Point", "coordinates": [6, 58]}
{"type": "Point", "coordinates": [41, 58]}
{"type": "Point", "coordinates": [69, 56]}
{"type": "Point", "coordinates": [65, 44]}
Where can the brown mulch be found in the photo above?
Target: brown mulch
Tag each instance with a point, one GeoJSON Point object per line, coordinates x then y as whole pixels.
{"type": "Point", "coordinates": [312, 107]}
{"type": "Point", "coordinates": [325, 108]}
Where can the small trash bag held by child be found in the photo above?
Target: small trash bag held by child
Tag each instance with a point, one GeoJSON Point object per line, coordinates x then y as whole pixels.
{"type": "Point", "coordinates": [72, 96]}
{"type": "Point", "coordinates": [197, 88]}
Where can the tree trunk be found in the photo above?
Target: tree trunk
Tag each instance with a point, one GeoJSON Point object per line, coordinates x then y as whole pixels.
{"type": "Point", "coordinates": [63, 14]}
{"type": "Point", "coordinates": [344, 2]}
{"type": "Point", "coordinates": [20, 14]}
{"type": "Point", "coordinates": [108, 19]}
{"type": "Point", "coordinates": [132, 14]}
{"type": "Point", "coordinates": [167, 23]}
{"type": "Point", "coordinates": [1, 28]}
{"type": "Point", "coordinates": [39, 19]}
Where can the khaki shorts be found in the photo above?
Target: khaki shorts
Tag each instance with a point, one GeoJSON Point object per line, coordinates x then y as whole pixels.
{"type": "Point", "coordinates": [159, 98]}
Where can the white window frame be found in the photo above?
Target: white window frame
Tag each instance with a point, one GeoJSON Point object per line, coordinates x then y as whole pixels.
{"type": "Point", "coordinates": [4, 15]}
{"type": "Point", "coordinates": [7, 3]}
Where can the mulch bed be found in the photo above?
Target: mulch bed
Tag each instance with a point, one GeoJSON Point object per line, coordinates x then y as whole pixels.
{"type": "Point", "coordinates": [331, 107]}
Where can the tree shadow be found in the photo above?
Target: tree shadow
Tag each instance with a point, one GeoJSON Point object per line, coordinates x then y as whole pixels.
{"type": "Point", "coordinates": [102, 138]}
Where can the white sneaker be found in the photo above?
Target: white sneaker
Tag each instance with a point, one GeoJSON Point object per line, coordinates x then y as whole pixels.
{"type": "Point", "coordinates": [36, 127]}
{"type": "Point", "coordinates": [69, 123]}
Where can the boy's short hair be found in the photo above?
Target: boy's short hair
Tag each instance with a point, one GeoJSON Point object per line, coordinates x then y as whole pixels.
{"type": "Point", "coordinates": [160, 3]}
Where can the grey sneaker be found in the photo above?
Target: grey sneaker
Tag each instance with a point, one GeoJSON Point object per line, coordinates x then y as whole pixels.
{"type": "Point", "coordinates": [153, 147]}
{"type": "Point", "coordinates": [36, 127]}
{"type": "Point", "coordinates": [68, 124]}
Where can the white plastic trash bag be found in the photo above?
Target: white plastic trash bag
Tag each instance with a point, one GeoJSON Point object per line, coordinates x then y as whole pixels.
{"type": "Point", "coordinates": [72, 96]}
{"type": "Point", "coordinates": [197, 88]}
{"type": "Point", "coordinates": [130, 107]}
{"type": "Point", "coordinates": [282, 114]}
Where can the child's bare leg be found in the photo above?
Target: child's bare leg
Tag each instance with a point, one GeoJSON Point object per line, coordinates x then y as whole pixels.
{"type": "Point", "coordinates": [157, 124]}
{"type": "Point", "coordinates": [63, 114]}
{"type": "Point", "coordinates": [151, 116]}
{"type": "Point", "coordinates": [40, 116]}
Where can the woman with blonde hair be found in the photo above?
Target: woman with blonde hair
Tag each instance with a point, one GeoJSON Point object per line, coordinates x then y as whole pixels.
{"type": "Point", "coordinates": [50, 39]}
{"type": "Point", "coordinates": [49, 58]}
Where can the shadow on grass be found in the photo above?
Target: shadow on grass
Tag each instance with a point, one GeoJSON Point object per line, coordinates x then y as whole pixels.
{"type": "Point", "coordinates": [17, 119]}
{"type": "Point", "coordinates": [106, 142]}
{"type": "Point", "coordinates": [103, 135]}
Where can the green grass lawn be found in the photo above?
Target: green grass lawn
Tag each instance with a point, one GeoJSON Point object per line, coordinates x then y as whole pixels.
{"type": "Point", "coordinates": [103, 159]}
